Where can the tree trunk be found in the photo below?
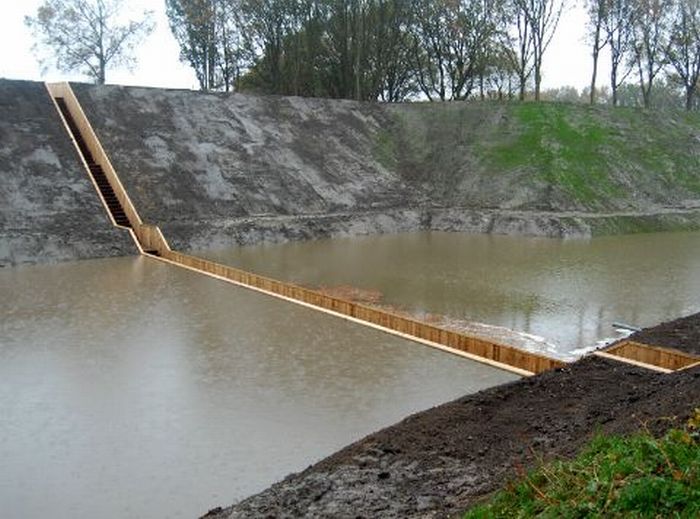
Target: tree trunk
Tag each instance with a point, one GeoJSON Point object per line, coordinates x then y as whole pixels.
{"type": "Point", "coordinates": [646, 89]}
{"type": "Point", "coordinates": [593, 77]}
{"type": "Point", "coordinates": [101, 77]}
{"type": "Point", "coordinates": [596, 52]}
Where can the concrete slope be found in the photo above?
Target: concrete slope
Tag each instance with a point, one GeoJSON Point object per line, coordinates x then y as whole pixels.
{"type": "Point", "coordinates": [49, 210]}
{"type": "Point", "coordinates": [222, 165]}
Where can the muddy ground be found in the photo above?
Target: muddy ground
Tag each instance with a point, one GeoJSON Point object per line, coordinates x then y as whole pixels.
{"type": "Point", "coordinates": [216, 170]}
{"type": "Point", "coordinates": [441, 461]}
{"type": "Point", "coordinates": [681, 334]}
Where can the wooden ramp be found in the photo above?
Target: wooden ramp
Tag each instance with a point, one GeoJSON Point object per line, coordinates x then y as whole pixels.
{"type": "Point", "coordinates": [152, 243]}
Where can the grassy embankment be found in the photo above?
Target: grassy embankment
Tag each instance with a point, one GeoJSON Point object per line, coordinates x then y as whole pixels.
{"type": "Point", "coordinates": [547, 156]}
{"type": "Point", "coordinates": [636, 476]}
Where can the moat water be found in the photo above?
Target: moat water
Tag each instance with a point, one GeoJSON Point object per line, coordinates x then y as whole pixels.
{"type": "Point", "coordinates": [566, 292]}
{"type": "Point", "coordinates": [130, 388]}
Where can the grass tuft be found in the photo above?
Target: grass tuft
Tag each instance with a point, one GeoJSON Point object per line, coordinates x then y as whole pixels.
{"type": "Point", "coordinates": [636, 476]}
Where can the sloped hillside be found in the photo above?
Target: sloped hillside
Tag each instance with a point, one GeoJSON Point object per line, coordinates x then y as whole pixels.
{"type": "Point", "coordinates": [218, 169]}
{"type": "Point", "coordinates": [547, 156]}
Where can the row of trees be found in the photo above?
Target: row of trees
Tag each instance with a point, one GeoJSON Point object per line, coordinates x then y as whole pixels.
{"type": "Point", "coordinates": [647, 38]}
{"type": "Point", "coordinates": [392, 50]}
{"type": "Point", "coordinates": [366, 49]}
{"type": "Point", "coordinates": [668, 95]}
{"type": "Point", "coordinates": [387, 50]}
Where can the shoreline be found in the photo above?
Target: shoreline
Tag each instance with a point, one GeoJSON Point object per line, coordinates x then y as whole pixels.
{"type": "Point", "coordinates": [438, 462]}
{"type": "Point", "coordinates": [193, 235]}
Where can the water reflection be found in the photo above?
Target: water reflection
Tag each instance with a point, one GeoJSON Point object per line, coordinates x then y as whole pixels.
{"type": "Point", "coordinates": [129, 388]}
{"type": "Point", "coordinates": [569, 292]}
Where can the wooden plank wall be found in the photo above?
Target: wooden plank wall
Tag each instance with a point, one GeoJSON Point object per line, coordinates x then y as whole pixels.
{"type": "Point", "coordinates": [152, 239]}
{"type": "Point", "coordinates": [665, 358]}
{"type": "Point", "coordinates": [500, 353]}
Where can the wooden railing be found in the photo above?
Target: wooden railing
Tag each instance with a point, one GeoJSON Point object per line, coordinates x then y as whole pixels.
{"type": "Point", "coordinates": [150, 239]}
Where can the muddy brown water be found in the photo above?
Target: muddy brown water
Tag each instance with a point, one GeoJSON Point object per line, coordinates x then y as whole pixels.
{"type": "Point", "coordinates": [130, 388]}
{"type": "Point", "coordinates": [568, 292]}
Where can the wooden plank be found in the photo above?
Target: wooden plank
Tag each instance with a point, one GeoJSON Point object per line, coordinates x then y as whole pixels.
{"type": "Point", "coordinates": [665, 358]}
{"type": "Point", "coordinates": [148, 238]}
{"type": "Point", "coordinates": [500, 353]}
{"type": "Point", "coordinates": [363, 322]}
{"type": "Point", "coordinates": [632, 362]}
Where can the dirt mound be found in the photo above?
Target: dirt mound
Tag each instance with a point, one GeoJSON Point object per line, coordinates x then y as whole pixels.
{"type": "Point", "coordinates": [438, 462]}
{"type": "Point", "coordinates": [681, 334]}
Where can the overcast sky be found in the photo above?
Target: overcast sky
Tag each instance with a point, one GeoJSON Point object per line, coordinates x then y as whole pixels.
{"type": "Point", "coordinates": [567, 61]}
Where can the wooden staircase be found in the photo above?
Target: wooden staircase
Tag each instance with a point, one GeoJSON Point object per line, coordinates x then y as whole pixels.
{"type": "Point", "coordinates": [98, 175]}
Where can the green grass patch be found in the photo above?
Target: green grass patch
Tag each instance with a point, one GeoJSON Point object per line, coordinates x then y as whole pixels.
{"type": "Point", "coordinates": [645, 224]}
{"type": "Point", "coordinates": [636, 476]}
{"type": "Point", "coordinates": [564, 147]}
{"type": "Point", "coordinates": [565, 155]}
{"type": "Point", "coordinates": [385, 149]}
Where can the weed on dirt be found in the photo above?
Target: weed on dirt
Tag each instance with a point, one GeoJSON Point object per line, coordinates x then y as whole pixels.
{"type": "Point", "coordinates": [615, 476]}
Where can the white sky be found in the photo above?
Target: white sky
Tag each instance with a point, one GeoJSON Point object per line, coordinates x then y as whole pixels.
{"type": "Point", "coordinates": [567, 61]}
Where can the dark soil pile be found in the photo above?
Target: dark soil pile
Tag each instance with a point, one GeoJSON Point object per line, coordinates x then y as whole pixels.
{"type": "Point", "coordinates": [439, 462]}
{"type": "Point", "coordinates": [681, 334]}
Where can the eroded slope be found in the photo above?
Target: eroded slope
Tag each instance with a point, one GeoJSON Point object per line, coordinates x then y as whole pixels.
{"type": "Point", "coordinates": [194, 162]}
{"type": "Point", "coordinates": [217, 169]}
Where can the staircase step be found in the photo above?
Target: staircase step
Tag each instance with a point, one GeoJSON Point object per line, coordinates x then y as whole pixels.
{"type": "Point", "coordinates": [96, 170]}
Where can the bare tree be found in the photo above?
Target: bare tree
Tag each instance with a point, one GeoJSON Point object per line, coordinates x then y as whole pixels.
{"type": "Point", "coordinates": [522, 47]}
{"type": "Point", "coordinates": [451, 40]}
{"type": "Point", "coordinates": [233, 56]}
{"type": "Point", "coordinates": [193, 23]}
{"type": "Point", "coordinates": [86, 36]}
{"type": "Point", "coordinates": [683, 51]}
{"type": "Point", "coordinates": [542, 18]}
{"type": "Point", "coordinates": [596, 16]}
{"type": "Point", "coordinates": [650, 32]}
{"type": "Point", "coordinates": [501, 76]}
{"type": "Point", "coordinates": [618, 25]}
